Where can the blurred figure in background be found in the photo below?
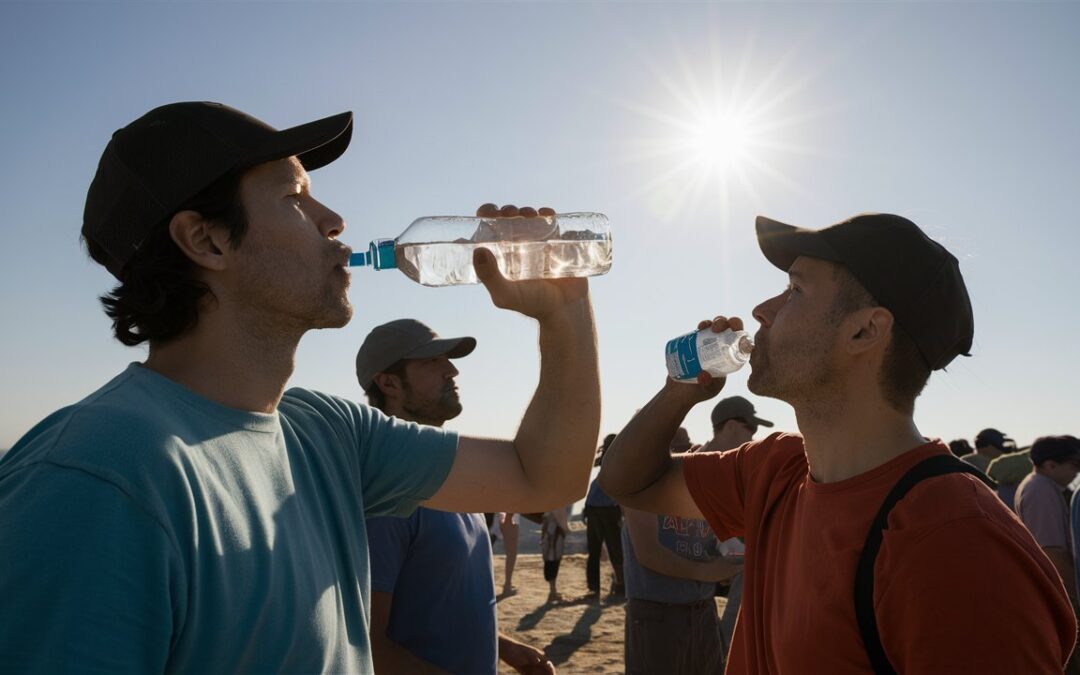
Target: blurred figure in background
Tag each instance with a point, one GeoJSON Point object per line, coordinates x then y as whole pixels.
{"type": "Point", "coordinates": [1043, 506]}
{"type": "Point", "coordinates": [672, 565]}
{"type": "Point", "coordinates": [553, 530]}
{"type": "Point", "coordinates": [960, 447]}
{"type": "Point", "coordinates": [989, 445]}
{"type": "Point", "coordinates": [603, 528]}
{"type": "Point", "coordinates": [1007, 471]}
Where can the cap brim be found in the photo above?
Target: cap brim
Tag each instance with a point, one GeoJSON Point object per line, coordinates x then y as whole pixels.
{"type": "Point", "coordinates": [315, 144]}
{"type": "Point", "coordinates": [454, 348]}
{"type": "Point", "coordinates": [782, 244]}
{"type": "Point", "coordinates": [761, 423]}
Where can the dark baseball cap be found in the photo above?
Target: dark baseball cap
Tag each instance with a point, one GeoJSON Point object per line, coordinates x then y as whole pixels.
{"type": "Point", "coordinates": [387, 344]}
{"type": "Point", "coordinates": [1056, 448]}
{"type": "Point", "coordinates": [991, 437]}
{"type": "Point", "coordinates": [908, 273]}
{"type": "Point", "coordinates": [170, 154]}
{"type": "Point", "coordinates": [736, 406]}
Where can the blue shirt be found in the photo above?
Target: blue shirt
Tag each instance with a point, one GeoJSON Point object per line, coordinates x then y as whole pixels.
{"type": "Point", "coordinates": [690, 538]}
{"type": "Point", "coordinates": [597, 496]}
{"type": "Point", "coordinates": [148, 529]}
{"type": "Point", "coordinates": [437, 565]}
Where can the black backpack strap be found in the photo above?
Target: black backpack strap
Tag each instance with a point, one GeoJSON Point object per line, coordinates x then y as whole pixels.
{"type": "Point", "coordinates": [938, 465]}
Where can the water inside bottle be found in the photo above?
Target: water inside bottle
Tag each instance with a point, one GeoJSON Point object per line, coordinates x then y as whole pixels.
{"type": "Point", "coordinates": [450, 263]}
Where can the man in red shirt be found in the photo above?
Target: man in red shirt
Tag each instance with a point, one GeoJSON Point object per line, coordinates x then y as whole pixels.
{"type": "Point", "coordinates": [872, 307]}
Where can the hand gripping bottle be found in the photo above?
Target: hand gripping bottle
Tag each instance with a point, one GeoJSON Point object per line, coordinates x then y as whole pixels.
{"type": "Point", "coordinates": [438, 250]}
{"type": "Point", "coordinates": [719, 354]}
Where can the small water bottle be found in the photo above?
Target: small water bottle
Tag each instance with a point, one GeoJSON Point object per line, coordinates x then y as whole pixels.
{"type": "Point", "coordinates": [438, 250]}
{"type": "Point", "coordinates": [718, 354]}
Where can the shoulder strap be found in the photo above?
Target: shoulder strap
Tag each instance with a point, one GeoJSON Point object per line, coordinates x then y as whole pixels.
{"type": "Point", "coordinates": [938, 465]}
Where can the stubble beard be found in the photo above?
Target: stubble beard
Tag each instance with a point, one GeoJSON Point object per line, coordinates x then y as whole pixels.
{"type": "Point", "coordinates": [273, 290]}
{"type": "Point", "coordinates": [436, 412]}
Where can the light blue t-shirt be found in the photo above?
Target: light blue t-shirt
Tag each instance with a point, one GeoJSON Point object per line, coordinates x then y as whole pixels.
{"type": "Point", "coordinates": [690, 538]}
{"type": "Point", "coordinates": [438, 567]}
{"type": "Point", "coordinates": [148, 529]}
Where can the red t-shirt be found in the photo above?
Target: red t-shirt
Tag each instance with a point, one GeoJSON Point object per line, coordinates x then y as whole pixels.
{"type": "Point", "coordinates": [959, 584]}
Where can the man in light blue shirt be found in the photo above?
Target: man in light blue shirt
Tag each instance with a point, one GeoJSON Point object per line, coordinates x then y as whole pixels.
{"type": "Point", "coordinates": [192, 515]}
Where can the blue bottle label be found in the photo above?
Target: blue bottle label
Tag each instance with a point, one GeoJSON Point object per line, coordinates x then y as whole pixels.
{"type": "Point", "coordinates": [682, 357]}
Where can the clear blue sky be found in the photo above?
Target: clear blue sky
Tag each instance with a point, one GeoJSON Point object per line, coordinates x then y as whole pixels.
{"type": "Point", "coordinates": [961, 116]}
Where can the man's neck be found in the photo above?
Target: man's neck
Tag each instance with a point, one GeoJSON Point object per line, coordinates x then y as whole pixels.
{"type": "Point", "coordinates": [242, 367]}
{"type": "Point", "coordinates": [853, 434]}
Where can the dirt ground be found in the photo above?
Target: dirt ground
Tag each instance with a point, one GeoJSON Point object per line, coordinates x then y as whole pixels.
{"type": "Point", "coordinates": [578, 634]}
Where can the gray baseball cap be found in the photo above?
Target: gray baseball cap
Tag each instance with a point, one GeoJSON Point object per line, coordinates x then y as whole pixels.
{"type": "Point", "coordinates": [736, 406]}
{"type": "Point", "coordinates": [387, 344]}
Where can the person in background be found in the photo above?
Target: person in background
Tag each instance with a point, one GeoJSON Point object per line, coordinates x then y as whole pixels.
{"type": "Point", "coordinates": [432, 592]}
{"type": "Point", "coordinates": [1043, 506]}
{"type": "Point", "coordinates": [989, 445]}
{"type": "Point", "coordinates": [553, 530]}
{"type": "Point", "coordinates": [509, 530]}
{"type": "Point", "coordinates": [960, 447]}
{"type": "Point", "coordinates": [603, 528]}
{"type": "Point", "coordinates": [1007, 471]}
{"type": "Point", "coordinates": [734, 422]}
{"type": "Point", "coordinates": [672, 565]}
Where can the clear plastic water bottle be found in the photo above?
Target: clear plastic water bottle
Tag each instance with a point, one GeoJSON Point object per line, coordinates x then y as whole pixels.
{"type": "Point", "coordinates": [438, 250]}
{"type": "Point", "coordinates": [719, 354]}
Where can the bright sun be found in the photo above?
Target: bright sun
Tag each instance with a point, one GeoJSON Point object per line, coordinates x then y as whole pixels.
{"type": "Point", "coordinates": [720, 142]}
{"type": "Point", "coordinates": [714, 136]}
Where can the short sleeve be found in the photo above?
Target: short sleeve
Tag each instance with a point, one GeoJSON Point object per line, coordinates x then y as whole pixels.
{"type": "Point", "coordinates": [717, 488]}
{"type": "Point", "coordinates": [399, 464]}
{"type": "Point", "coordinates": [89, 581]}
{"type": "Point", "coordinates": [402, 463]}
{"type": "Point", "coordinates": [944, 604]}
{"type": "Point", "coordinates": [389, 540]}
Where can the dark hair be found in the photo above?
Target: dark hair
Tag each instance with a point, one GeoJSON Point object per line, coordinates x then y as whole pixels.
{"type": "Point", "coordinates": [158, 296]}
{"type": "Point", "coordinates": [602, 450]}
{"type": "Point", "coordinates": [904, 372]}
{"type": "Point", "coordinates": [375, 395]}
{"type": "Point", "coordinates": [960, 447]}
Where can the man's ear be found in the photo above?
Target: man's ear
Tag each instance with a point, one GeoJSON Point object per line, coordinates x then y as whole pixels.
{"type": "Point", "coordinates": [200, 239]}
{"type": "Point", "coordinates": [870, 328]}
{"type": "Point", "coordinates": [390, 385]}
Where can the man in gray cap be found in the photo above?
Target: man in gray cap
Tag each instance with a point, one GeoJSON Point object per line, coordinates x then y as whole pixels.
{"type": "Point", "coordinates": [432, 589]}
{"type": "Point", "coordinates": [194, 515]}
{"type": "Point", "coordinates": [734, 422]}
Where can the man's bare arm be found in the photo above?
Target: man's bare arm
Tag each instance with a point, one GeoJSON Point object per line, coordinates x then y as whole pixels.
{"type": "Point", "coordinates": [638, 470]}
{"type": "Point", "coordinates": [547, 465]}
{"type": "Point", "coordinates": [650, 553]}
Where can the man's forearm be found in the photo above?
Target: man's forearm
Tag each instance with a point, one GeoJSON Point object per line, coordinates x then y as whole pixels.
{"type": "Point", "coordinates": [557, 437]}
{"type": "Point", "coordinates": [639, 456]}
{"type": "Point", "coordinates": [389, 657]}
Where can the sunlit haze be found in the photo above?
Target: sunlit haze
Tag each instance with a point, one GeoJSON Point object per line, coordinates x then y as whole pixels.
{"type": "Point", "coordinates": [680, 121]}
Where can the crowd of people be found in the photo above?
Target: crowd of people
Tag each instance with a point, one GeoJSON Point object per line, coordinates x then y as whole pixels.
{"type": "Point", "coordinates": [193, 515]}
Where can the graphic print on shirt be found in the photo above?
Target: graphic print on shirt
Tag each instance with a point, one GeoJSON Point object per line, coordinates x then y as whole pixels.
{"type": "Point", "coordinates": [691, 538]}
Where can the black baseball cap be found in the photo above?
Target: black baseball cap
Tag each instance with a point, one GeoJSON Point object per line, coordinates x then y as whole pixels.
{"type": "Point", "coordinates": [170, 154]}
{"type": "Point", "coordinates": [907, 272]}
{"type": "Point", "coordinates": [736, 407]}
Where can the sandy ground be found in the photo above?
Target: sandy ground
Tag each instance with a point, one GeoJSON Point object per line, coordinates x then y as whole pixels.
{"type": "Point", "coordinates": [579, 634]}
